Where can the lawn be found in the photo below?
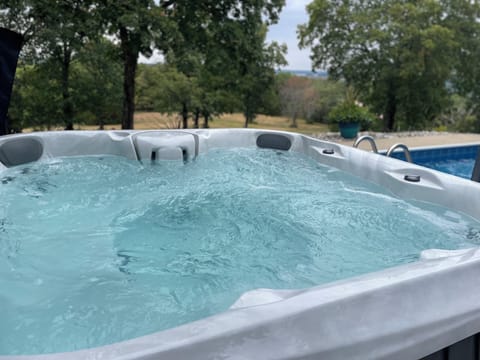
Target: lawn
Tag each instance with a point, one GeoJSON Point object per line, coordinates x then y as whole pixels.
{"type": "Point", "coordinates": [155, 120]}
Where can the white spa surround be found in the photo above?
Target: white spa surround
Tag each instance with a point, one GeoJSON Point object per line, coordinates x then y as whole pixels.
{"type": "Point", "coordinates": [405, 312]}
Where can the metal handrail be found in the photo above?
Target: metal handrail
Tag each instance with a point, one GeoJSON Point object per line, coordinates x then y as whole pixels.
{"type": "Point", "coordinates": [370, 139]}
{"type": "Point", "coordinates": [405, 149]}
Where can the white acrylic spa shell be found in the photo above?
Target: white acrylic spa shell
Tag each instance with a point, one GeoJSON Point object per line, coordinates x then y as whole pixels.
{"type": "Point", "coordinates": [406, 312]}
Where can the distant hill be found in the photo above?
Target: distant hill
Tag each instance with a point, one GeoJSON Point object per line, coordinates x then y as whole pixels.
{"type": "Point", "coordinates": [306, 73]}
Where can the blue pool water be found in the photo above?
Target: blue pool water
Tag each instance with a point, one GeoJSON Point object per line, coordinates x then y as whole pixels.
{"type": "Point", "coordinates": [459, 167]}
{"type": "Point", "coordinates": [454, 160]}
{"type": "Point", "coordinates": [99, 250]}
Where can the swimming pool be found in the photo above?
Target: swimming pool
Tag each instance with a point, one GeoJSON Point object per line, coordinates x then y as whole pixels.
{"type": "Point", "coordinates": [457, 160]}
{"type": "Point", "coordinates": [347, 315]}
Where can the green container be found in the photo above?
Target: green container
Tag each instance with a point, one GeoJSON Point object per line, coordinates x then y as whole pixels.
{"type": "Point", "coordinates": [349, 130]}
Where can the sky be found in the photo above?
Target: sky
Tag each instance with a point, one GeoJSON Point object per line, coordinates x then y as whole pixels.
{"type": "Point", "coordinates": [285, 31]}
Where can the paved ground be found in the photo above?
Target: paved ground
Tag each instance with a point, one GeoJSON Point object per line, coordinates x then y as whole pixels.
{"type": "Point", "coordinates": [411, 139]}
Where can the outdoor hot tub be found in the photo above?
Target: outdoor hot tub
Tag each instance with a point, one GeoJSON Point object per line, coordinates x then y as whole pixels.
{"type": "Point", "coordinates": [168, 232]}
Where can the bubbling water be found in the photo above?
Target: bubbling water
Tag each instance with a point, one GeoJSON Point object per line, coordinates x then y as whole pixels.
{"type": "Point", "coordinates": [95, 250]}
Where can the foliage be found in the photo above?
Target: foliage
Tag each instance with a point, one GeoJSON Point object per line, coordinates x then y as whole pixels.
{"type": "Point", "coordinates": [398, 54]}
{"type": "Point", "coordinates": [468, 124]}
{"type": "Point", "coordinates": [97, 84]}
{"type": "Point", "coordinates": [297, 96]}
{"type": "Point", "coordinates": [148, 91]}
{"type": "Point", "coordinates": [215, 50]}
{"type": "Point", "coordinates": [463, 17]}
{"type": "Point", "coordinates": [139, 26]}
{"type": "Point", "coordinates": [56, 30]}
{"type": "Point", "coordinates": [328, 94]}
{"type": "Point", "coordinates": [95, 88]}
{"type": "Point", "coordinates": [222, 48]}
{"type": "Point", "coordinates": [350, 112]}
{"type": "Point", "coordinates": [459, 115]}
{"type": "Point", "coordinates": [308, 98]}
{"type": "Point", "coordinates": [258, 77]}
{"type": "Point", "coordinates": [163, 88]}
{"type": "Point", "coordinates": [413, 62]}
{"type": "Point", "coordinates": [36, 99]}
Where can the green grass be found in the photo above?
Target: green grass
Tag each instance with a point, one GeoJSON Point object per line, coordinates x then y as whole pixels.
{"type": "Point", "coordinates": [155, 120]}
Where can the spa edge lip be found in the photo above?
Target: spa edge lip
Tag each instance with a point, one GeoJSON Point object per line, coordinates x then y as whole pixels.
{"type": "Point", "coordinates": [345, 319]}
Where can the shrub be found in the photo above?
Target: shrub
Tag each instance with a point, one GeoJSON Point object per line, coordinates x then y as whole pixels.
{"type": "Point", "coordinates": [350, 112]}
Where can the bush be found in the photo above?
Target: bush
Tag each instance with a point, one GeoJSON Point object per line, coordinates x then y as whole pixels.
{"type": "Point", "coordinates": [469, 124]}
{"type": "Point", "coordinates": [350, 112]}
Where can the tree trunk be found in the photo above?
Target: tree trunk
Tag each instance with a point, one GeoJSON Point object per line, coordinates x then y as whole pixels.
{"type": "Point", "coordinates": [67, 102]}
{"type": "Point", "coordinates": [390, 109]}
{"type": "Point", "coordinates": [130, 56]}
{"type": "Point", "coordinates": [195, 118]}
{"type": "Point", "coordinates": [249, 112]}
{"type": "Point", "coordinates": [184, 116]}
{"type": "Point", "coordinates": [206, 117]}
{"type": "Point", "coordinates": [294, 121]}
{"type": "Point", "coordinates": [249, 117]}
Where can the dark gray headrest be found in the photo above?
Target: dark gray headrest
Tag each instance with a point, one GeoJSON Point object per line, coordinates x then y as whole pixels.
{"type": "Point", "coordinates": [19, 151]}
{"type": "Point", "coordinates": [274, 141]}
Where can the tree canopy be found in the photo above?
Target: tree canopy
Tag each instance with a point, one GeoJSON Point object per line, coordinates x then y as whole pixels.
{"type": "Point", "coordinates": [210, 42]}
{"type": "Point", "coordinates": [222, 48]}
{"type": "Point", "coordinates": [413, 63]}
{"type": "Point", "coordinates": [55, 30]}
{"type": "Point", "coordinates": [399, 53]}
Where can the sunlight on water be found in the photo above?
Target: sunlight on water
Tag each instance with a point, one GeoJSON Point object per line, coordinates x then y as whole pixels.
{"type": "Point", "coordinates": [99, 250]}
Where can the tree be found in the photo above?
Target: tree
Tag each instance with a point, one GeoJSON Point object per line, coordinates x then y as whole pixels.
{"type": "Point", "coordinates": [65, 26]}
{"type": "Point", "coordinates": [55, 29]}
{"type": "Point", "coordinates": [95, 87]}
{"type": "Point", "coordinates": [13, 16]}
{"type": "Point", "coordinates": [221, 46]}
{"type": "Point", "coordinates": [463, 17]}
{"type": "Point", "coordinates": [207, 32]}
{"type": "Point", "coordinates": [181, 91]}
{"type": "Point", "coordinates": [97, 84]}
{"type": "Point", "coordinates": [138, 25]}
{"type": "Point", "coordinates": [163, 88]}
{"type": "Point", "coordinates": [329, 94]}
{"type": "Point", "coordinates": [258, 76]}
{"type": "Point", "coordinates": [298, 98]}
{"type": "Point", "coordinates": [36, 98]}
{"type": "Point", "coordinates": [149, 84]}
{"type": "Point", "coordinates": [399, 54]}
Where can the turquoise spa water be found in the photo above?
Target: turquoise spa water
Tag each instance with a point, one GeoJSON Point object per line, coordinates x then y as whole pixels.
{"type": "Point", "coordinates": [99, 250]}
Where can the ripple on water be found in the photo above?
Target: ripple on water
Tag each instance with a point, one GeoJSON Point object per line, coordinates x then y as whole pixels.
{"type": "Point", "coordinates": [99, 250]}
